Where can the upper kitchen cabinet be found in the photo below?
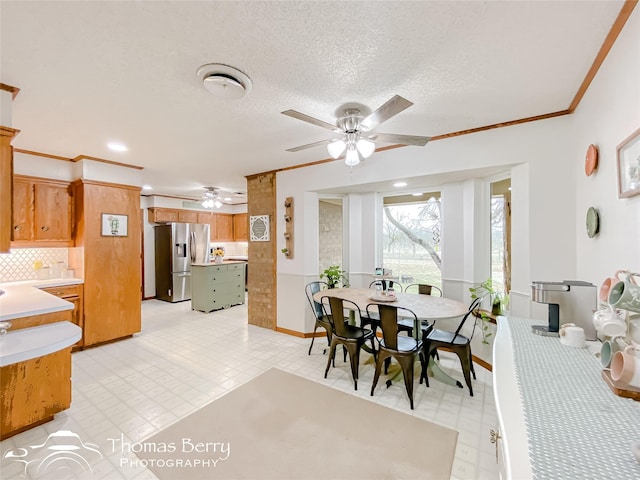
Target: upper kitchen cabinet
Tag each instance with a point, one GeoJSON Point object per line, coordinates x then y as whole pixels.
{"type": "Point", "coordinates": [221, 227]}
{"type": "Point", "coordinates": [162, 215]}
{"type": "Point", "coordinates": [241, 227]}
{"type": "Point", "coordinates": [6, 178]}
{"type": "Point", "coordinates": [42, 212]}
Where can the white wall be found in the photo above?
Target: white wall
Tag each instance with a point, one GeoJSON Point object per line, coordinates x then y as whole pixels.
{"type": "Point", "coordinates": [608, 113]}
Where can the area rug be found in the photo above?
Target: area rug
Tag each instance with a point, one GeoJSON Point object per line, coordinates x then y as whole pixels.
{"type": "Point", "coordinates": [282, 426]}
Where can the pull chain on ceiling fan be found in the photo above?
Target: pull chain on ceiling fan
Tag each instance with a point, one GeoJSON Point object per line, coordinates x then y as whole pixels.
{"type": "Point", "coordinates": [357, 137]}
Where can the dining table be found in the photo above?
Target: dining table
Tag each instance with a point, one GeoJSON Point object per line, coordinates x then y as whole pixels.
{"type": "Point", "coordinates": [426, 307]}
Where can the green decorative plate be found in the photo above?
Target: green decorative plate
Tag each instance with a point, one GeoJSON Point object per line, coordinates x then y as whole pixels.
{"type": "Point", "coordinates": [593, 222]}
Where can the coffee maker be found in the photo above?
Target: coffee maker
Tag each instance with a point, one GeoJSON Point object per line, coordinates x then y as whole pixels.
{"type": "Point", "coordinates": [570, 301]}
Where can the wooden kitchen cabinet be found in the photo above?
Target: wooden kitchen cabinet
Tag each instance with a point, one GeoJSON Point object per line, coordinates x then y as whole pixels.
{"type": "Point", "coordinates": [162, 215]}
{"type": "Point", "coordinates": [73, 294]}
{"type": "Point", "coordinates": [204, 218]}
{"type": "Point", "coordinates": [42, 212]}
{"type": "Point", "coordinates": [221, 227]}
{"type": "Point", "coordinates": [33, 391]}
{"type": "Point", "coordinates": [6, 180]}
{"type": "Point", "coordinates": [241, 227]}
{"type": "Point", "coordinates": [187, 216]}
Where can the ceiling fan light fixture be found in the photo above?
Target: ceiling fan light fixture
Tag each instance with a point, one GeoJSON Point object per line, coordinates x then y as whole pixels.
{"type": "Point", "coordinates": [336, 148]}
{"type": "Point", "coordinates": [365, 147]}
{"type": "Point", "coordinates": [352, 158]}
{"type": "Point", "coordinates": [211, 198]}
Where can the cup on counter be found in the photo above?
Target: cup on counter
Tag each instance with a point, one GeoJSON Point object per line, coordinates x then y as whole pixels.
{"type": "Point", "coordinates": [626, 294]}
{"type": "Point", "coordinates": [625, 367]}
{"type": "Point", "coordinates": [609, 348]}
{"type": "Point", "coordinates": [572, 335]}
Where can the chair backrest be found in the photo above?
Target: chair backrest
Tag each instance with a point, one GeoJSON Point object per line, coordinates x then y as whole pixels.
{"type": "Point", "coordinates": [311, 289]}
{"type": "Point", "coordinates": [425, 289]}
{"type": "Point", "coordinates": [389, 322]}
{"type": "Point", "coordinates": [335, 313]}
{"type": "Point", "coordinates": [475, 304]}
{"type": "Point", "coordinates": [388, 283]}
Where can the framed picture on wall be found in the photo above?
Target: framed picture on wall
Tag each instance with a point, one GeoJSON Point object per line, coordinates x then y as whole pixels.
{"type": "Point", "coordinates": [259, 228]}
{"type": "Point", "coordinates": [114, 225]}
{"type": "Point", "coordinates": [628, 153]}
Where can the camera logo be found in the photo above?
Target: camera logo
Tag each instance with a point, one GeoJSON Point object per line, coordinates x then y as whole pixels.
{"type": "Point", "coordinates": [61, 451]}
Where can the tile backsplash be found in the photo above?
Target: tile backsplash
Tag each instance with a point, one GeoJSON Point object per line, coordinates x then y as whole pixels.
{"type": "Point", "coordinates": [18, 264]}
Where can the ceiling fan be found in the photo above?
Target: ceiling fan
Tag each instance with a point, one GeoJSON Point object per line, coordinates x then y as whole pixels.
{"type": "Point", "coordinates": [356, 133]}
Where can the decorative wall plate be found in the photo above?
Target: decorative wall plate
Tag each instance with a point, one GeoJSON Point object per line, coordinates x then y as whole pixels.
{"type": "Point", "coordinates": [593, 222]}
{"type": "Point", "coordinates": [591, 161]}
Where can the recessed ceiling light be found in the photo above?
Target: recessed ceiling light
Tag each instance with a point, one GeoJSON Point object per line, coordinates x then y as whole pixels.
{"type": "Point", "coordinates": [400, 184]}
{"type": "Point", "coordinates": [117, 147]}
{"type": "Point", "coordinates": [147, 187]}
{"type": "Point", "coordinates": [227, 199]}
{"type": "Point", "coordinates": [417, 194]}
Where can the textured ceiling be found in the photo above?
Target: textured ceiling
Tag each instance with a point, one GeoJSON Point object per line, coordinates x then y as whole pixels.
{"type": "Point", "coordinates": [93, 72]}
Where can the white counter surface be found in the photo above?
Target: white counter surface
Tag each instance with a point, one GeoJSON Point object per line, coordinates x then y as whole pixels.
{"type": "Point", "coordinates": [214, 264]}
{"type": "Point", "coordinates": [34, 342]}
{"type": "Point", "coordinates": [23, 299]}
{"type": "Point", "coordinates": [558, 419]}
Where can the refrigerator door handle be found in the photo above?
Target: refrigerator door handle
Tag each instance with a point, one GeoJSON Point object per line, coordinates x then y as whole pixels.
{"type": "Point", "coordinates": [192, 246]}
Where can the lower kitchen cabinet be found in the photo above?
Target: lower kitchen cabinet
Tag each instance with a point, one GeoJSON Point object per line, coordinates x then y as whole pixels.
{"type": "Point", "coordinates": [216, 286]}
{"type": "Point", "coordinates": [73, 294]}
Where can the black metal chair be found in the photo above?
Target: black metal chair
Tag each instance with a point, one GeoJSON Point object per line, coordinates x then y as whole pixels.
{"type": "Point", "coordinates": [455, 342]}
{"type": "Point", "coordinates": [422, 289]}
{"type": "Point", "coordinates": [352, 337]}
{"type": "Point", "coordinates": [321, 319]}
{"type": "Point", "coordinates": [400, 347]}
{"type": "Point", "coordinates": [386, 284]}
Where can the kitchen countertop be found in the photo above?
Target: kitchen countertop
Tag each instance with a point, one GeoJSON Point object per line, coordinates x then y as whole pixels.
{"type": "Point", "coordinates": [34, 342]}
{"type": "Point", "coordinates": [213, 264]}
{"type": "Point", "coordinates": [24, 299]}
{"type": "Point", "coordinates": [558, 418]}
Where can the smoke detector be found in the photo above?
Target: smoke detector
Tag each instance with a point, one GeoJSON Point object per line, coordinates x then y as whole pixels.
{"type": "Point", "coordinates": [224, 80]}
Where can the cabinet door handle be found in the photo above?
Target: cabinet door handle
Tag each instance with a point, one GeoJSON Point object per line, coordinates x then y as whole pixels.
{"type": "Point", "coordinates": [17, 228]}
{"type": "Point", "coordinates": [494, 436]}
{"type": "Point", "coordinates": [44, 228]}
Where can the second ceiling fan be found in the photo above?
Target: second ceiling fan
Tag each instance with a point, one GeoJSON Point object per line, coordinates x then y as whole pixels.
{"type": "Point", "coordinates": [356, 131]}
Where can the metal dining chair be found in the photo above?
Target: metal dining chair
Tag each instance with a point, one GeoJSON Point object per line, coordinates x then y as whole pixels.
{"type": "Point", "coordinates": [399, 347]}
{"type": "Point", "coordinates": [422, 289]}
{"type": "Point", "coordinates": [455, 342]}
{"type": "Point", "coordinates": [322, 320]}
{"type": "Point", "coordinates": [352, 337]}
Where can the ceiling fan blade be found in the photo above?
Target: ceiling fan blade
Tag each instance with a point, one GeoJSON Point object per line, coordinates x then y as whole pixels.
{"type": "Point", "coordinates": [312, 120]}
{"type": "Point", "coordinates": [401, 139]}
{"type": "Point", "coordinates": [393, 107]}
{"type": "Point", "coordinates": [309, 145]}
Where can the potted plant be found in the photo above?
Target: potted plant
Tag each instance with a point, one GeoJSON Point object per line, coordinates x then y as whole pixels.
{"type": "Point", "coordinates": [285, 251]}
{"type": "Point", "coordinates": [486, 288]}
{"type": "Point", "coordinates": [335, 276]}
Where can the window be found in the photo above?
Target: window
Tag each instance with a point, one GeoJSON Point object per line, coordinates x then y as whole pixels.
{"type": "Point", "coordinates": [411, 238]}
{"type": "Point", "coordinates": [500, 235]}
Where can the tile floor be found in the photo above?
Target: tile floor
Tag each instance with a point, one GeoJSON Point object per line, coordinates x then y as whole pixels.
{"type": "Point", "coordinates": [184, 359]}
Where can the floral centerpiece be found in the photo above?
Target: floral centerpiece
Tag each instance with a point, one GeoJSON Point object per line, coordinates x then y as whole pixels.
{"type": "Point", "coordinates": [218, 253]}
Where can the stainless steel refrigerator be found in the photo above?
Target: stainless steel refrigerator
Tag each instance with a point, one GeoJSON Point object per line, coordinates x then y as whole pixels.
{"type": "Point", "coordinates": [178, 245]}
